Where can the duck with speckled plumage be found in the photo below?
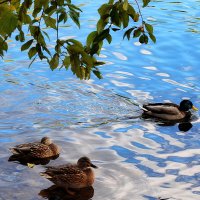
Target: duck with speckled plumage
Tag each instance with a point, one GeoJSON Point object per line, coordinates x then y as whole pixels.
{"type": "Point", "coordinates": [35, 152]}
{"type": "Point", "coordinates": [68, 176]}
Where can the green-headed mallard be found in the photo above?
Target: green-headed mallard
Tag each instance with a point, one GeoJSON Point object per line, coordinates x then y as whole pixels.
{"type": "Point", "coordinates": [169, 111]}
{"type": "Point", "coordinates": [78, 175]}
{"type": "Point", "coordinates": [38, 150]}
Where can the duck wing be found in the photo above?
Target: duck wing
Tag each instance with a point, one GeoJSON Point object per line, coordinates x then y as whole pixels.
{"type": "Point", "coordinates": [23, 148]}
{"type": "Point", "coordinates": [69, 174]}
{"type": "Point", "coordinates": [41, 151]}
{"type": "Point", "coordinates": [162, 108]}
{"type": "Point", "coordinates": [35, 150]}
{"type": "Point", "coordinates": [63, 169]}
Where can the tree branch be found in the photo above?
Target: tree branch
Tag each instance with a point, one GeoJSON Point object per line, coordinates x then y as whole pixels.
{"type": "Point", "coordinates": [139, 11]}
{"type": "Point", "coordinates": [5, 1]}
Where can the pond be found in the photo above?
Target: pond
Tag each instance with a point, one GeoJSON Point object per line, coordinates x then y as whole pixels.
{"type": "Point", "coordinates": [137, 158]}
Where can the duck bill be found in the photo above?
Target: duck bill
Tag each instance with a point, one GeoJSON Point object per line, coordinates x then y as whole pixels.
{"type": "Point", "coordinates": [194, 108]}
{"type": "Point", "coordinates": [94, 166]}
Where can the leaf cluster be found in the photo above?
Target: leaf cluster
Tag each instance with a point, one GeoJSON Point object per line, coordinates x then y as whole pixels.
{"type": "Point", "coordinates": [18, 15]}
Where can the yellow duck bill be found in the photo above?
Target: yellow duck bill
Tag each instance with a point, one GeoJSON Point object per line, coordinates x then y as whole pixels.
{"type": "Point", "coordinates": [194, 108]}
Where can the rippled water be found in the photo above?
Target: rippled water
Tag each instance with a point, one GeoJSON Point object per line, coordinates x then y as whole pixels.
{"type": "Point", "coordinates": [137, 158]}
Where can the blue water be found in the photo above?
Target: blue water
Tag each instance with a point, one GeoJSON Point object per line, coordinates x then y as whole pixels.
{"type": "Point", "coordinates": [137, 159]}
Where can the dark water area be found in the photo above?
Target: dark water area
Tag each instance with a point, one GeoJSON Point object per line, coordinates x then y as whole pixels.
{"type": "Point", "coordinates": [137, 158]}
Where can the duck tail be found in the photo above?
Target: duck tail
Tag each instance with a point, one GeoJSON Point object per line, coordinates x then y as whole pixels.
{"type": "Point", "coordinates": [14, 157]}
{"type": "Point", "coordinates": [144, 109]}
{"type": "Point", "coordinates": [44, 174]}
{"type": "Point", "coordinates": [14, 150]}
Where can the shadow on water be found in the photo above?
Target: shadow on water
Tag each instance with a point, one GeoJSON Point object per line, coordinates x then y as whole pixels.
{"type": "Point", "coordinates": [57, 193]}
{"type": "Point", "coordinates": [25, 160]}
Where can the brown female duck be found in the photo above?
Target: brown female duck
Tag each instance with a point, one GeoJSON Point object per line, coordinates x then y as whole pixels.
{"type": "Point", "coordinates": [169, 111]}
{"type": "Point", "coordinates": [77, 176]}
{"type": "Point", "coordinates": [39, 150]}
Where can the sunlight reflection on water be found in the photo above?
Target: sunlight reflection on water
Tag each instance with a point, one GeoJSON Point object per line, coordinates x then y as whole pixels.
{"type": "Point", "coordinates": [137, 158]}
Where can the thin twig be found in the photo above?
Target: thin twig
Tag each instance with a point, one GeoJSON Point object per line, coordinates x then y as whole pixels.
{"type": "Point", "coordinates": [57, 25]}
{"type": "Point", "coordinates": [139, 11]}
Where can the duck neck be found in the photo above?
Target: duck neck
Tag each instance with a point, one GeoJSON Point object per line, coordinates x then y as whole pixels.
{"type": "Point", "coordinates": [55, 149]}
{"type": "Point", "coordinates": [90, 175]}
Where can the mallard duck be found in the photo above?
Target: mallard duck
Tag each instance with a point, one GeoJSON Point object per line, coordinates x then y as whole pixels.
{"type": "Point", "coordinates": [75, 176]}
{"type": "Point", "coordinates": [169, 111]}
{"type": "Point", "coordinates": [38, 150]}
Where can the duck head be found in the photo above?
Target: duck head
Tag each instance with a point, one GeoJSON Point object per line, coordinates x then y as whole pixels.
{"type": "Point", "coordinates": [186, 105]}
{"type": "Point", "coordinates": [46, 141]}
{"type": "Point", "coordinates": [85, 162]}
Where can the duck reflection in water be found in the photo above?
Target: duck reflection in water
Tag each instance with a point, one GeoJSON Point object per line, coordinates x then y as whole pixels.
{"type": "Point", "coordinates": [36, 152]}
{"type": "Point", "coordinates": [183, 126]}
{"type": "Point", "coordinates": [58, 193]}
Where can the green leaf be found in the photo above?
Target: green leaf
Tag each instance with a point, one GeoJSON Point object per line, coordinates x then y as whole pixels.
{"type": "Point", "coordinates": [131, 11]}
{"type": "Point", "coordinates": [54, 62]}
{"type": "Point", "coordinates": [109, 38]}
{"type": "Point", "coordinates": [115, 16]}
{"type": "Point", "coordinates": [111, 1]}
{"type": "Point", "coordinates": [146, 39]}
{"type": "Point", "coordinates": [125, 5]}
{"type": "Point", "coordinates": [73, 7]}
{"type": "Point", "coordinates": [101, 25]}
{"type": "Point", "coordinates": [47, 50]}
{"type": "Point", "coordinates": [143, 39]}
{"type": "Point", "coordinates": [40, 39]}
{"type": "Point", "coordinates": [104, 9]}
{"type": "Point", "coordinates": [50, 22]}
{"type": "Point", "coordinates": [33, 30]}
{"type": "Point", "coordinates": [46, 35]}
{"type": "Point", "coordinates": [136, 17]}
{"type": "Point", "coordinates": [104, 34]}
{"type": "Point", "coordinates": [146, 2]}
{"type": "Point", "coordinates": [97, 74]}
{"type": "Point", "coordinates": [91, 38]}
{"type": "Point", "coordinates": [66, 62]}
{"type": "Point", "coordinates": [36, 11]}
{"type": "Point", "coordinates": [26, 19]}
{"type": "Point", "coordinates": [76, 42]}
{"type": "Point", "coordinates": [86, 58]}
{"type": "Point", "coordinates": [60, 2]}
{"type": "Point", "coordinates": [26, 45]}
{"type": "Point", "coordinates": [5, 46]}
{"type": "Point", "coordinates": [125, 19]}
{"type": "Point", "coordinates": [116, 29]}
{"type": "Point", "coordinates": [21, 36]}
{"type": "Point", "coordinates": [75, 17]}
{"type": "Point", "coordinates": [62, 17]}
{"type": "Point", "coordinates": [16, 4]}
{"type": "Point", "coordinates": [8, 21]}
{"type": "Point", "coordinates": [153, 38]}
{"type": "Point", "coordinates": [32, 52]}
{"type": "Point", "coordinates": [97, 63]}
{"type": "Point", "coordinates": [50, 10]}
{"type": "Point", "coordinates": [75, 49]}
{"type": "Point", "coordinates": [128, 33]}
{"type": "Point", "coordinates": [149, 28]}
{"type": "Point", "coordinates": [94, 49]}
{"type": "Point", "coordinates": [137, 33]}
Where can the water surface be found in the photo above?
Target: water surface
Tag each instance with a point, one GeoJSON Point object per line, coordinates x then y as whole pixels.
{"type": "Point", "coordinates": [137, 159]}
